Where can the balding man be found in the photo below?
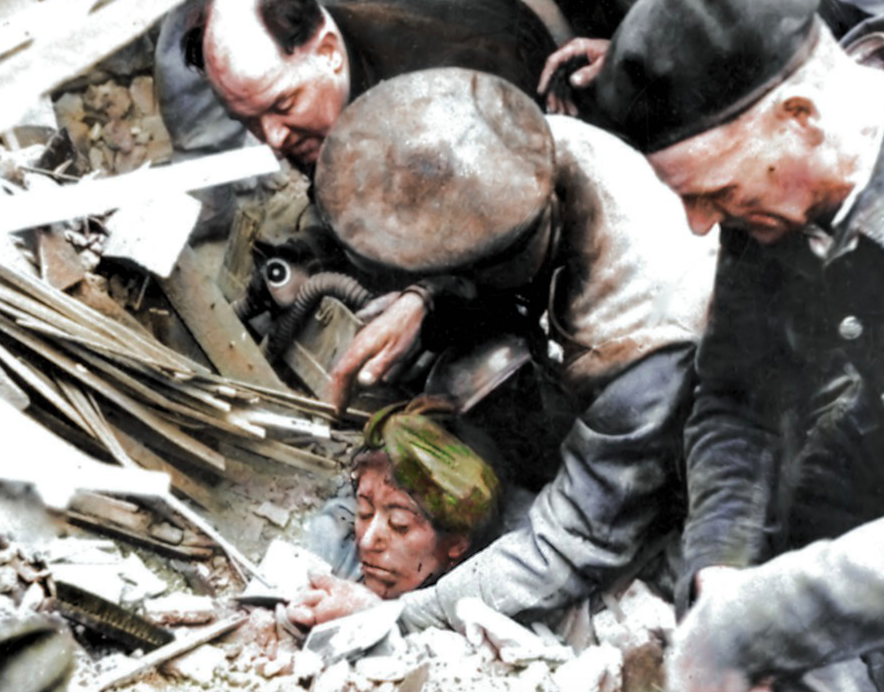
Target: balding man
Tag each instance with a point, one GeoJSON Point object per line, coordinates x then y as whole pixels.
{"type": "Point", "coordinates": [286, 68]}
{"type": "Point", "coordinates": [763, 124]}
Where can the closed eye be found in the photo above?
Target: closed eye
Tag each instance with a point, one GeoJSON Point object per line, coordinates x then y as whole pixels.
{"type": "Point", "coordinates": [285, 102]}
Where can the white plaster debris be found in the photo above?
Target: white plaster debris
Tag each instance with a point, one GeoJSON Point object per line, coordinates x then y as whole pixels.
{"type": "Point", "coordinates": [332, 679]}
{"type": "Point", "coordinates": [597, 669]}
{"type": "Point", "coordinates": [199, 665]}
{"type": "Point", "coordinates": [140, 582]}
{"type": "Point", "coordinates": [166, 532]}
{"type": "Point", "coordinates": [516, 645]}
{"type": "Point", "coordinates": [180, 609]}
{"type": "Point", "coordinates": [306, 665]}
{"type": "Point", "coordinates": [644, 618]}
{"type": "Point", "coordinates": [273, 513]}
{"type": "Point", "coordinates": [382, 668]}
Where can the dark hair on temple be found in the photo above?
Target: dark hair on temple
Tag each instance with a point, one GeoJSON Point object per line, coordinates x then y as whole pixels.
{"type": "Point", "coordinates": [291, 23]}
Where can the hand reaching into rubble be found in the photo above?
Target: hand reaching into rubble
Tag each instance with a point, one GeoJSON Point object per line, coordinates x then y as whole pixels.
{"type": "Point", "coordinates": [330, 598]}
{"type": "Point", "coordinates": [589, 51]}
{"type": "Point", "coordinates": [699, 658]}
{"type": "Point", "coordinates": [385, 342]}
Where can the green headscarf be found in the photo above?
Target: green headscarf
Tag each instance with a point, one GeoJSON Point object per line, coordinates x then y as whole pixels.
{"type": "Point", "coordinates": [454, 486]}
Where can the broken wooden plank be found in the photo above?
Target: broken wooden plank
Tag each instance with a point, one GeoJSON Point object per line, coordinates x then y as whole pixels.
{"type": "Point", "coordinates": [133, 228]}
{"type": "Point", "coordinates": [181, 645]}
{"type": "Point", "coordinates": [148, 459]}
{"type": "Point", "coordinates": [290, 456]}
{"type": "Point", "coordinates": [45, 387]}
{"type": "Point", "coordinates": [127, 403]}
{"type": "Point", "coordinates": [85, 404]}
{"type": "Point", "coordinates": [60, 264]}
{"type": "Point", "coordinates": [283, 422]}
{"type": "Point", "coordinates": [238, 266]}
{"type": "Point", "coordinates": [151, 392]}
{"type": "Point", "coordinates": [11, 392]}
{"type": "Point", "coordinates": [135, 343]}
{"type": "Point", "coordinates": [213, 323]}
{"type": "Point", "coordinates": [144, 540]}
{"type": "Point", "coordinates": [38, 208]}
{"type": "Point", "coordinates": [113, 509]}
{"type": "Point", "coordinates": [73, 40]}
{"type": "Point", "coordinates": [58, 469]}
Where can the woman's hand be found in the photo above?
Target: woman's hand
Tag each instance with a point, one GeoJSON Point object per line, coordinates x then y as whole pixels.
{"type": "Point", "coordinates": [329, 598]}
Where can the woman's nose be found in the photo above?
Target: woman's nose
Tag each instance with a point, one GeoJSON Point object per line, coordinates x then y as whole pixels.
{"type": "Point", "coordinates": [374, 537]}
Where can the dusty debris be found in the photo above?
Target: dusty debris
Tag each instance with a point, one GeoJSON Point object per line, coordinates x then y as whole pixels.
{"type": "Point", "coordinates": [166, 532]}
{"type": "Point", "coordinates": [637, 618]}
{"type": "Point", "coordinates": [180, 609]}
{"type": "Point", "coordinates": [514, 643]}
{"type": "Point", "coordinates": [597, 669]}
{"type": "Point", "coordinates": [278, 515]}
{"type": "Point", "coordinates": [382, 668]}
{"type": "Point", "coordinates": [199, 665]}
{"type": "Point", "coordinates": [132, 669]}
{"type": "Point", "coordinates": [349, 636]}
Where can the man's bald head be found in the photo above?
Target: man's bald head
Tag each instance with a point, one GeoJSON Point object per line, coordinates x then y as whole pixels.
{"type": "Point", "coordinates": [281, 67]}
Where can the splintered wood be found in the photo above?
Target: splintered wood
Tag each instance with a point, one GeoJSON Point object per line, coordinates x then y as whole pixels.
{"type": "Point", "coordinates": [137, 401]}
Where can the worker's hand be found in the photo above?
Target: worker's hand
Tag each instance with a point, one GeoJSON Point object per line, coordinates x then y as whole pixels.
{"type": "Point", "coordinates": [386, 341]}
{"type": "Point", "coordinates": [329, 598]}
{"type": "Point", "coordinates": [701, 657]}
{"type": "Point", "coordinates": [592, 50]}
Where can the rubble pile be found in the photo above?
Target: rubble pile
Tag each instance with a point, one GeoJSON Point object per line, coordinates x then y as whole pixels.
{"type": "Point", "coordinates": [115, 126]}
{"type": "Point", "coordinates": [149, 371]}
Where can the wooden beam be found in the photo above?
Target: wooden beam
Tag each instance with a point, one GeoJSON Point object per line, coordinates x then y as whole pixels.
{"type": "Point", "coordinates": [41, 207]}
{"type": "Point", "coordinates": [215, 326]}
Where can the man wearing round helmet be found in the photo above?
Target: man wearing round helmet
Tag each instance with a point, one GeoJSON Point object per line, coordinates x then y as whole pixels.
{"type": "Point", "coordinates": [763, 124]}
{"type": "Point", "coordinates": [454, 178]}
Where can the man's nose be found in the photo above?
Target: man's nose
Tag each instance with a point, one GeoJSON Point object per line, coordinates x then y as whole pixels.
{"type": "Point", "coordinates": [701, 216]}
{"type": "Point", "coordinates": [274, 130]}
{"type": "Point", "coordinates": [374, 537]}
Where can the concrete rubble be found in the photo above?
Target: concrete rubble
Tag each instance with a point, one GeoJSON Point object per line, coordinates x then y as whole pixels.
{"type": "Point", "coordinates": [121, 371]}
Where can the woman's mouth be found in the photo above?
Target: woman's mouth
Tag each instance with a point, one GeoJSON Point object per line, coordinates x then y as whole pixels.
{"type": "Point", "coordinates": [379, 573]}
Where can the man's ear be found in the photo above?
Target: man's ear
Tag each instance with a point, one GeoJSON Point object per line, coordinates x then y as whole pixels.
{"type": "Point", "coordinates": [456, 547]}
{"type": "Point", "coordinates": [803, 112]}
{"type": "Point", "coordinates": [331, 48]}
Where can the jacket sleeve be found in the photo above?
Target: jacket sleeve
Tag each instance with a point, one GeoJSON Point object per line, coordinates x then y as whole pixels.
{"type": "Point", "coordinates": [594, 517]}
{"type": "Point", "coordinates": [802, 610]}
{"type": "Point", "coordinates": [731, 437]}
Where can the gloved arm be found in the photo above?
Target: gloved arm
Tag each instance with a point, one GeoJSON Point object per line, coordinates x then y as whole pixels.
{"type": "Point", "coordinates": [802, 610]}
{"type": "Point", "coordinates": [594, 517]}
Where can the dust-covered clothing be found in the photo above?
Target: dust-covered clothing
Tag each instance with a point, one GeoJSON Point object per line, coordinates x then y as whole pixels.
{"type": "Point", "coordinates": [629, 317]}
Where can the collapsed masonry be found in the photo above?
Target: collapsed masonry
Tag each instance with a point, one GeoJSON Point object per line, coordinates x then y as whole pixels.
{"type": "Point", "coordinates": [121, 356]}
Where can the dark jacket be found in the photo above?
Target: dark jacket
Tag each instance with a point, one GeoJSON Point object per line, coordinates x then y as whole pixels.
{"type": "Point", "coordinates": [384, 38]}
{"type": "Point", "coordinates": [784, 443]}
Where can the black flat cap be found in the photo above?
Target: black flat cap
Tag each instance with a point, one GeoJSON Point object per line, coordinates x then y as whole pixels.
{"type": "Point", "coordinates": [676, 68]}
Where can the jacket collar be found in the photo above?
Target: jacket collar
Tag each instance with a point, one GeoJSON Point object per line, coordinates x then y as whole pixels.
{"type": "Point", "coordinates": [866, 217]}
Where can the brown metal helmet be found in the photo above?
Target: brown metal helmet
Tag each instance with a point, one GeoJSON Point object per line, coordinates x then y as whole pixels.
{"type": "Point", "coordinates": [437, 171]}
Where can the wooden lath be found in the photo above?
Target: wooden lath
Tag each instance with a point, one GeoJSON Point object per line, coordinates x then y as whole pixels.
{"type": "Point", "coordinates": [37, 55]}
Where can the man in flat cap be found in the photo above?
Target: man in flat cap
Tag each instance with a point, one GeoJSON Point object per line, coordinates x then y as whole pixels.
{"type": "Point", "coordinates": [763, 124]}
{"type": "Point", "coordinates": [463, 178]}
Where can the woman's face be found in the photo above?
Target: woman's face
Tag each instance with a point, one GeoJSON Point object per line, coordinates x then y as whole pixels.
{"type": "Point", "coordinates": [398, 547]}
